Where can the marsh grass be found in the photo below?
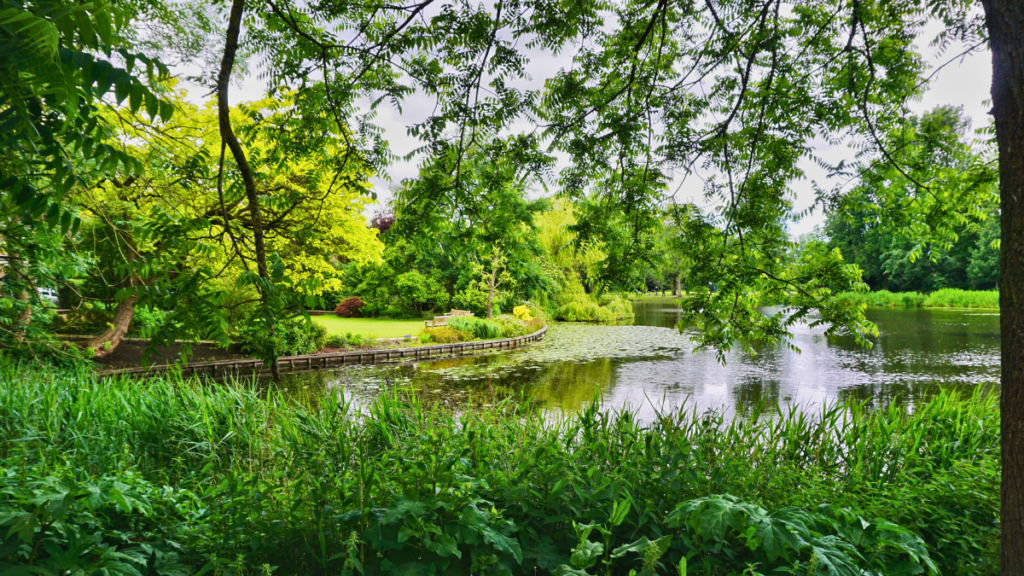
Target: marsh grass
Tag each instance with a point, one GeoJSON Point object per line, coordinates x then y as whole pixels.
{"type": "Point", "coordinates": [179, 476]}
{"type": "Point", "coordinates": [945, 298]}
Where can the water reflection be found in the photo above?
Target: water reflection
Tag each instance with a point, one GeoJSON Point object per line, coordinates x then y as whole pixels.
{"type": "Point", "coordinates": [650, 366]}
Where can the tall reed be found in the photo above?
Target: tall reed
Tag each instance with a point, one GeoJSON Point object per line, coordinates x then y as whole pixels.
{"type": "Point", "coordinates": [249, 480]}
{"type": "Point", "coordinates": [945, 298]}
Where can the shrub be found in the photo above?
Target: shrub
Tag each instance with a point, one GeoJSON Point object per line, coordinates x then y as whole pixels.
{"type": "Point", "coordinates": [511, 326]}
{"type": "Point", "coordinates": [356, 339]}
{"type": "Point", "coordinates": [447, 335]}
{"type": "Point", "coordinates": [586, 310]}
{"type": "Point", "coordinates": [480, 327]}
{"type": "Point", "coordinates": [522, 313]}
{"type": "Point", "coordinates": [332, 299]}
{"type": "Point", "coordinates": [621, 307]}
{"type": "Point", "coordinates": [336, 341]}
{"type": "Point", "coordinates": [291, 337]}
{"type": "Point", "coordinates": [349, 307]}
{"type": "Point", "coordinates": [534, 325]}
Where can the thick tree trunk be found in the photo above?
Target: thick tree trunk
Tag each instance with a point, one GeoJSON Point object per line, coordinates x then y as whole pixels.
{"type": "Point", "coordinates": [1005, 20]}
{"type": "Point", "coordinates": [23, 295]}
{"type": "Point", "coordinates": [106, 342]}
{"type": "Point", "coordinates": [26, 315]}
{"type": "Point", "coordinates": [227, 134]}
{"type": "Point", "coordinates": [676, 285]}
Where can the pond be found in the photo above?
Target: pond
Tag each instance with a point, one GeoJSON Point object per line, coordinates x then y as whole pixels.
{"type": "Point", "coordinates": [649, 366]}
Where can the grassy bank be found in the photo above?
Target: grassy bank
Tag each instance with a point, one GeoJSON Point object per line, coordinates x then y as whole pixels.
{"type": "Point", "coordinates": [945, 298]}
{"type": "Point", "coordinates": [172, 477]}
{"type": "Point", "coordinates": [370, 327]}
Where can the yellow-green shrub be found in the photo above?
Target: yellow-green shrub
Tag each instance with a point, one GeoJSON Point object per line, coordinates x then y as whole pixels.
{"type": "Point", "coordinates": [447, 335]}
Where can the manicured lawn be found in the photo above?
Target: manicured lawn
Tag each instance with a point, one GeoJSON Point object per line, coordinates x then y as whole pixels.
{"type": "Point", "coordinates": [376, 327]}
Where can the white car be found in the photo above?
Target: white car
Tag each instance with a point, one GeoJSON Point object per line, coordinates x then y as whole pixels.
{"type": "Point", "coordinates": [48, 295]}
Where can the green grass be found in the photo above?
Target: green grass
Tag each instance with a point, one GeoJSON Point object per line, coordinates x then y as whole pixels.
{"type": "Point", "coordinates": [168, 476]}
{"type": "Point", "coordinates": [376, 327]}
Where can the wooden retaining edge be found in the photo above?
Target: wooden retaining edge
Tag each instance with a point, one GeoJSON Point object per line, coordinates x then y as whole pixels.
{"type": "Point", "coordinates": [309, 361]}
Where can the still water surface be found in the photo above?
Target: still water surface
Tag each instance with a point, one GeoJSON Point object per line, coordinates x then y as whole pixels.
{"type": "Point", "coordinates": [649, 366]}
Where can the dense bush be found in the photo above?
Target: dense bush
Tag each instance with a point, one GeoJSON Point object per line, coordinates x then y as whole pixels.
{"type": "Point", "coordinates": [291, 337]}
{"type": "Point", "coordinates": [249, 480]}
{"type": "Point", "coordinates": [511, 326]}
{"type": "Point", "coordinates": [586, 310]}
{"type": "Point", "coordinates": [522, 313]}
{"type": "Point", "coordinates": [480, 328]}
{"type": "Point", "coordinates": [336, 341]}
{"type": "Point", "coordinates": [345, 340]}
{"type": "Point", "coordinates": [349, 307]}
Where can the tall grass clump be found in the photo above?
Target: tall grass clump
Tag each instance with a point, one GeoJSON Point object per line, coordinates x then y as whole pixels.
{"type": "Point", "coordinates": [481, 328]}
{"type": "Point", "coordinates": [172, 476]}
{"type": "Point", "coordinates": [945, 298]}
{"type": "Point", "coordinates": [883, 299]}
{"type": "Point", "coordinates": [956, 298]}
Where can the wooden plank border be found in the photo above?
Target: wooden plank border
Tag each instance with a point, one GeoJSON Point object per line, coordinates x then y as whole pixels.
{"type": "Point", "coordinates": [314, 361]}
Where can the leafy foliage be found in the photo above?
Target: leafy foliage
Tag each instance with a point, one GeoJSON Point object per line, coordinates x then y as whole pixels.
{"type": "Point", "coordinates": [290, 338]}
{"type": "Point", "coordinates": [586, 310]}
{"type": "Point", "coordinates": [323, 486]}
{"type": "Point", "coordinates": [349, 307]}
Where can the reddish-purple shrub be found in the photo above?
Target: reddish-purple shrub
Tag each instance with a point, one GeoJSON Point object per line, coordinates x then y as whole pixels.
{"type": "Point", "coordinates": [349, 307]}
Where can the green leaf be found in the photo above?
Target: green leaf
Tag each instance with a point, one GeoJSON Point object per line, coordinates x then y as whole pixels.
{"type": "Point", "coordinates": [152, 105]}
{"type": "Point", "coordinates": [166, 111]}
{"type": "Point", "coordinates": [619, 511]}
{"type": "Point", "coordinates": [135, 97]}
{"type": "Point", "coordinates": [586, 554]}
{"type": "Point", "coordinates": [122, 89]}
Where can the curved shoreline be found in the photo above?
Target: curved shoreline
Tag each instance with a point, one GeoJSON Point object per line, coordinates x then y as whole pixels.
{"type": "Point", "coordinates": [330, 359]}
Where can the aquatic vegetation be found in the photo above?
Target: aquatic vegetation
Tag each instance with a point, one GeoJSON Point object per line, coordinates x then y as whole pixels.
{"type": "Point", "coordinates": [945, 298]}
{"type": "Point", "coordinates": [883, 299]}
{"type": "Point", "coordinates": [954, 298]}
{"type": "Point", "coordinates": [176, 476]}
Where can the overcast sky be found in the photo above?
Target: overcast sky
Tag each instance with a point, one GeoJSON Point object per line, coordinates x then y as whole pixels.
{"type": "Point", "coordinates": [963, 82]}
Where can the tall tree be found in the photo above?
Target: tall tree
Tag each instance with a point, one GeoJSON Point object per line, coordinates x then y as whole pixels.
{"type": "Point", "coordinates": [1005, 22]}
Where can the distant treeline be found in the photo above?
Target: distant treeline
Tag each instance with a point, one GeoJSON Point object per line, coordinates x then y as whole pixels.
{"type": "Point", "coordinates": [963, 255]}
{"type": "Point", "coordinates": [945, 298]}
